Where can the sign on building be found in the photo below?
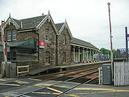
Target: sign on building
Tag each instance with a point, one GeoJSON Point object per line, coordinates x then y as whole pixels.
{"type": "Point", "coordinates": [41, 43]}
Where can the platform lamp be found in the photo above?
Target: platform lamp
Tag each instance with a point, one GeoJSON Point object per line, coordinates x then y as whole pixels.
{"type": "Point", "coordinates": [111, 47]}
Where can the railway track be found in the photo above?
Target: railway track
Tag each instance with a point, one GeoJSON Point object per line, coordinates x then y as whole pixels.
{"type": "Point", "coordinates": [81, 76]}
{"type": "Point", "coordinates": [66, 74]}
{"type": "Point", "coordinates": [59, 86]}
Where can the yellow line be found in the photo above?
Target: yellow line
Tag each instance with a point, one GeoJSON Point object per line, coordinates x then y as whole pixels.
{"type": "Point", "coordinates": [35, 79]}
{"type": "Point", "coordinates": [54, 90]}
{"type": "Point", "coordinates": [2, 79]}
{"type": "Point", "coordinates": [9, 84]}
{"type": "Point", "coordinates": [72, 95]}
{"type": "Point", "coordinates": [92, 92]}
{"type": "Point", "coordinates": [21, 82]}
{"type": "Point", "coordinates": [62, 86]}
{"type": "Point", "coordinates": [101, 89]}
{"type": "Point", "coordinates": [42, 85]}
{"type": "Point", "coordinates": [44, 93]}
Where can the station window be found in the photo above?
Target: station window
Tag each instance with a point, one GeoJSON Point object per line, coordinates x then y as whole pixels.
{"type": "Point", "coordinates": [14, 36]}
{"type": "Point", "coordinates": [46, 37]}
{"type": "Point", "coordinates": [65, 39]}
{"type": "Point", "coordinates": [11, 36]}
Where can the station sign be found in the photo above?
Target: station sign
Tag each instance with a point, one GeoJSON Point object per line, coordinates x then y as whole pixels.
{"type": "Point", "coordinates": [41, 44]}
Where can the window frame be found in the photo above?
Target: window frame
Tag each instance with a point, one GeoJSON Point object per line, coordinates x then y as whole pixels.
{"type": "Point", "coordinates": [11, 36]}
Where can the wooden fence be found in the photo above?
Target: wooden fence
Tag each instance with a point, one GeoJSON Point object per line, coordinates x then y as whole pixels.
{"type": "Point", "coordinates": [121, 73]}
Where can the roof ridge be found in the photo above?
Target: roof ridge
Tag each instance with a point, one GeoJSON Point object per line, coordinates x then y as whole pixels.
{"type": "Point", "coordinates": [32, 17]}
{"type": "Point", "coordinates": [59, 23]}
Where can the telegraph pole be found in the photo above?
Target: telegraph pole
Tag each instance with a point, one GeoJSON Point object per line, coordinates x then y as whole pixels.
{"type": "Point", "coordinates": [126, 37]}
{"type": "Point", "coordinates": [111, 47]}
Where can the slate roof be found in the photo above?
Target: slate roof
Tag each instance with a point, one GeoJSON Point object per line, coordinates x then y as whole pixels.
{"type": "Point", "coordinates": [77, 41]}
{"type": "Point", "coordinates": [59, 25]}
{"type": "Point", "coordinates": [82, 43]}
{"type": "Point", "coordinates": [29, 22]}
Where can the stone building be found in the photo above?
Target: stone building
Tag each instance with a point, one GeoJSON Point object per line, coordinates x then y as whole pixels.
{"type": "Point", "coordinates": [64, 43]}
{"type": "Point", "coordinates": [59, 46]}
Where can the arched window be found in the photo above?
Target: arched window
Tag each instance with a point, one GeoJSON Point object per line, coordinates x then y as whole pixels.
{"type": "Point", "coordinates": [11, 35]}
{"type": "Point", "coordinates": [64, 39]}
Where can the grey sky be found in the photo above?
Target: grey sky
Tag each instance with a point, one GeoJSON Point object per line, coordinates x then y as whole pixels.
{"type": "Point", "coordinates": [87, 19]}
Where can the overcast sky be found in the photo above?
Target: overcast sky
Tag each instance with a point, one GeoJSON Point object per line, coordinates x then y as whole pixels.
{"type": "Point", "coordinates": [87, 19]}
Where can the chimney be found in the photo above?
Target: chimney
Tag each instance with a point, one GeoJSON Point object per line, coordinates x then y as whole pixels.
{"type": "Point", "coordinates": [21, 24]}
{"type": "Point", "coordinates": [42, 14]}
{"type": "Point", "coordinates": [2, 22]}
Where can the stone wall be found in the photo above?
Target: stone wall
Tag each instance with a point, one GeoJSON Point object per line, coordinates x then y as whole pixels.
{"type": "Point", "coordinates": [26, 35]}
{"type": "Point", "coordinates": [47, 55]}
{"type": "Point", "coordinates": [64, 47]}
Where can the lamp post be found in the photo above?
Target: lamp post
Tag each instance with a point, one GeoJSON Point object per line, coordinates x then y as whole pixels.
{"type": "Point", "coordinates": [111, 47]}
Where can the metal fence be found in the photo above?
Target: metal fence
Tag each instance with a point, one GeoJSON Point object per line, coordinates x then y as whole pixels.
{"type": "Point", "coordinates": [121, 73]}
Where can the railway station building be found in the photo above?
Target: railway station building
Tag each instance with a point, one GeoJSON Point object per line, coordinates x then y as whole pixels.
{"type": "Point", "coordinates": [39, 42]}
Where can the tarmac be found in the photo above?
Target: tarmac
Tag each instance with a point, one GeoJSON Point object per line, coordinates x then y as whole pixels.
{"type": "Point", "coordinates": [27, 87]}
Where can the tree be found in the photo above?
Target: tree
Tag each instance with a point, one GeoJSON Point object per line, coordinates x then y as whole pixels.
{"type": "Point", "coordinates": [105, 52]}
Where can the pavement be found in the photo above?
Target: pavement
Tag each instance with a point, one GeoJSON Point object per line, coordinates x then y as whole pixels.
{"type": "Point", "coordinates": [27, 87]}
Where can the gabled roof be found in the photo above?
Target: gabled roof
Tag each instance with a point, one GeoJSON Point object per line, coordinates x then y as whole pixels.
{"type": "Point", "coordinates": [59, 25]}
{"type": "Point", "coordinates": [30, 22]}
{"type": "Point", "coordinates": [82, 43]}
